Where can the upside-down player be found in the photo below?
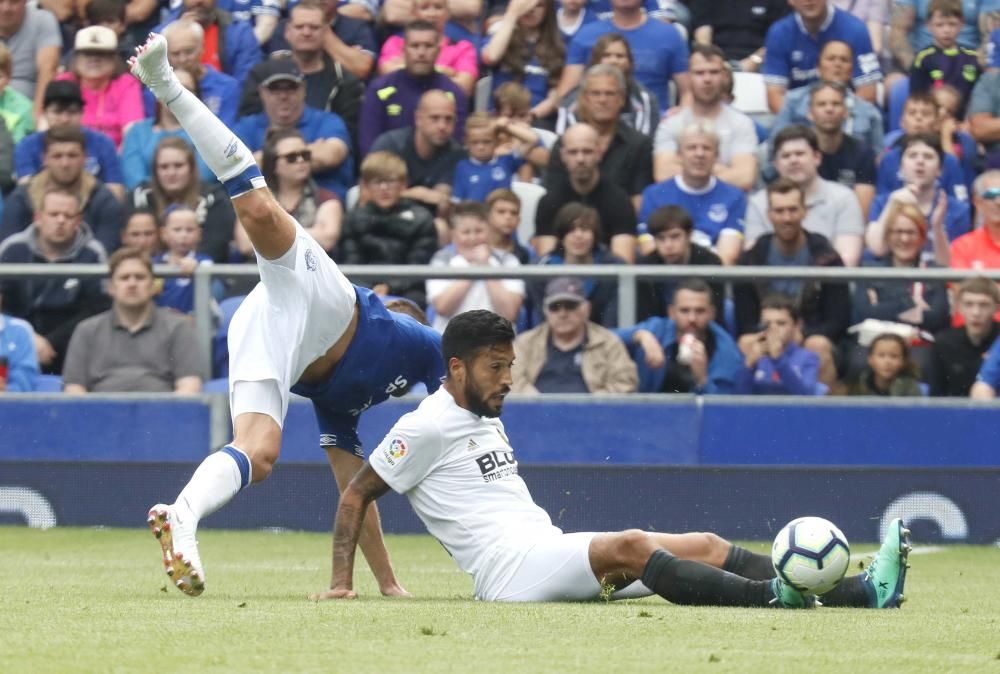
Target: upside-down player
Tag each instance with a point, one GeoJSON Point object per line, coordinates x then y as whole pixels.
{"type": "Point", "coordinates": [452, 459]}
{"type": "Point", "coordinates": [303, 326]}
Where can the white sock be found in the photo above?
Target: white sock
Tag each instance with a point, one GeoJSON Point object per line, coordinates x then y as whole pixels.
{"type": "Point", "coordinates": [216, 481]}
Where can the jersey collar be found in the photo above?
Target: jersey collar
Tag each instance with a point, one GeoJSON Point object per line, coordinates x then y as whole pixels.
{"type": "Point", "coordinates": [830, 10]}
{"type": "Point", "coordinates": [684, 187]}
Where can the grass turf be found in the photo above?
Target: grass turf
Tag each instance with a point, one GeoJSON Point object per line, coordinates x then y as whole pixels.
{"type": "Point", "coordinates": [97, 600]}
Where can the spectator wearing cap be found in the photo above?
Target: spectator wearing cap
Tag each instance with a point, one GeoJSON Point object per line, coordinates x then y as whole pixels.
{"type": "Point", "coordinates": [230, 45]}
{"type": "Point", "coordinates": [569, 353]}
{"type": "Point", "coordinates": [688, 352]}
{"type": "Point", "coordinates": [283, 92]}
{"type": "Point", "coordinates": [112, 99]}
{"type": "Point", "coordinates": [331, 84]}
{"type": "Point", "coordinates": [391, 100]}
{"type": "Point", "coordinates": [185, 46]}
{"type": "Point", "coordinates": [63, 163]}
{"type": "Point", "coordinates": [63, 108]}
{"type": "Point", "coordinates": [33, 37]}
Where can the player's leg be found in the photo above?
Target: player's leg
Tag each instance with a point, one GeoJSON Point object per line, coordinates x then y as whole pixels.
{"type": "Point", "coordinates": [258, 409]}
{"type": "Point", "coordinates": [628, 555]}
{"type": "Point", "coordinates": [345, 466]}
{"type": "Point", "coordinates": [270, 229]}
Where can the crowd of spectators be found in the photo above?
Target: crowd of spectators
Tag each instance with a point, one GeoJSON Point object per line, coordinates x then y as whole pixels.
{"type": "Point", "coordinates": [422, 131]}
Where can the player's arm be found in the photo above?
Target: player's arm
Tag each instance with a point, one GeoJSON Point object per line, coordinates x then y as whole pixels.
{"type": "Point", "coordinates": [362, 490]}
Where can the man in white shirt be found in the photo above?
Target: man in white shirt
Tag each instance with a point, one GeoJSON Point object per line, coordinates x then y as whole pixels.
{"type": "Point", "coordinates": [452, 459]}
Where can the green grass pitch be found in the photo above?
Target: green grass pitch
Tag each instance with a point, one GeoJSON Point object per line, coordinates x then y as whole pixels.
{"type": "Point", "coordinates": [88, 600]}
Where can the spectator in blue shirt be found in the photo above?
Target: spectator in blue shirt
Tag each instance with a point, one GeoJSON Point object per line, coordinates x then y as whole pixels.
{"type": "Point", "coordinates": [793, 45]}
{"type": "Point", "coordinates": [283, 94]}
{"type": "Point", "coordinates": [180, 232]}
{"type": "Point", "coordinates": [776, 364]}
{"type": "Point", "coordinates": [660, 51]}
{"type": "Point", "coordinates": [988, 380]}
{"type": "Point", "coordinates": [485, 170]}
{"type": "Point", "coordinates": [688, 352]}
{"type": "Point", "coordinates": [18, 360]}
{"type": "Point", "coordinates": [716, 206]}
{"type": "Point", "coordinates": [185, 48]}
{"type": "Point", "coordinates": [318, 26]}
{"type": "Point", "coordinates": [63, 107]}
{"type": "Point", "coordinates": [230, 45]}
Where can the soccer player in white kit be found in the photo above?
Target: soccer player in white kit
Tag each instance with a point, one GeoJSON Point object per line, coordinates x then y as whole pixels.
{"type": "Point", "coordinates": [452, 460]}
{"type": "Point", "coordinates": [293, 328]}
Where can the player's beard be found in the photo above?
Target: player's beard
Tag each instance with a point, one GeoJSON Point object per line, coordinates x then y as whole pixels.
{"type": "Point", "coordinates": [478, 404]}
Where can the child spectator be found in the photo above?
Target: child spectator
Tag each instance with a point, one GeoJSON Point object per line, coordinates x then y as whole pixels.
{"type": "Point", "coordinates": [525, 46]}
{"type": "Point", "coordinates": [920, 115]}
{"type": "Point", "coordinates": [776, 364]}
{"type": "Point", "coordinates": [955, 137]}
{"type": "Point", "coordinates": [471, 248]}
{"type": "Point", "coordinates": [181, 235]}
{"type": "Point", "coordinates": [141, 231]}
{"type": "Point", "coordinates": [945, 61]}
{"type": "Point", "coordinates": [504, 215]}
{"type": "Point", "coordinates": [513, 101]}
{"type": "Point", "coordinates": [16, 109]}
{"type": "Point", "coordinates": [388, 229]}
{"type": "Point", "coordinates": [890, 370]}
{"type": "Point", "coordinates": [485, 170]}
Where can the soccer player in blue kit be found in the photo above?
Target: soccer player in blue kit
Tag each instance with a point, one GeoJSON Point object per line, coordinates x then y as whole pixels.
{"type": "Point", "coordinates": [303, 328]}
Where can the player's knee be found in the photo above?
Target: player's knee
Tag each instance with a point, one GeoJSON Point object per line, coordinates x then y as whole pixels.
{"type": "Point", "coordinates": [255, 209]}
{"type": "Point", "coordinates": [714, 547]}
{"type": "Point", "coordinates": [636, 545]}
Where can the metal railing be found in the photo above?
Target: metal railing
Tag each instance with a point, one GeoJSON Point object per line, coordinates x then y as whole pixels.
{"type": "Point", "coordinates": [626, 276]}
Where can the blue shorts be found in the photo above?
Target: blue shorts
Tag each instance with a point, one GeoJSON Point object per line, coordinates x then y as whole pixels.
{"type": "Point", "coordinates": [340, 430]}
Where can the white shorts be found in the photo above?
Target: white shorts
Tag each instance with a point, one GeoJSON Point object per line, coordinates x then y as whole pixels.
{"type": "Point", "coordinates": [301, 307]}
{"type": "Point", "coordinates": [557, 568]}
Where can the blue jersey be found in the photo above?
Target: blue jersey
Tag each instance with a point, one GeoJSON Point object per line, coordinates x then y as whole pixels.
{"type": "Point", "coordinates": [717, 208]}
{"type": "Point", "coordinates": [313, 125]}
{"type": "Point", "coordinates": [474, 180]}
{"type": "Point", "coordinates": [993, 50]}
{"type": "Point", "coordinates": [793, 54]}
{"type": "Point", "coordinates": [658, 52]}
{"type": "Point", "coordinates": [989, 373]}
{"type": "Point", "coordinates": [390, 352]}
{"type": "Point", "coordinates": [952, 177]}
{"type": "Point", "coordinates": [178, 292]}
{"type": "Point", "coordinates": [101, 160]}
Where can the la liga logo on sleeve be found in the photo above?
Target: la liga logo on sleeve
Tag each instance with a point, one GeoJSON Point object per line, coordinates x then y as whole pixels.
{"type": "Point", "coordinates": [395, 451]}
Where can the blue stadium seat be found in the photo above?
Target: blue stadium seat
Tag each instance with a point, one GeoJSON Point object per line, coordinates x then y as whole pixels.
{"type": "Point", "coordinates": [48, 383]}
{"type": "Point", "coordinates": [897, 98]}
{"type": "Point", "coordinates": [220, 347]}
{"type": "Point", "coordinates": [220, 385]}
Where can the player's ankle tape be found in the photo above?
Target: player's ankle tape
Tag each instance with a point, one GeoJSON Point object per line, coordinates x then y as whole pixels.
{"type": "Point", "coordinates": [250, 179]}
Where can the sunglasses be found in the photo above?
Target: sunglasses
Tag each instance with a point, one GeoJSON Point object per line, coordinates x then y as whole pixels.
{"type": "Point", "coordinates": [295, 157]}
{"type": "Point", "coordinates": [562, 305]}
{"type": "Point", "coordinates": [991, 194]}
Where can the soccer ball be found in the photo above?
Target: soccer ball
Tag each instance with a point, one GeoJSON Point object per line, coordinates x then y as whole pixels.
{"type": "Point", "coordinates": [811, 555]}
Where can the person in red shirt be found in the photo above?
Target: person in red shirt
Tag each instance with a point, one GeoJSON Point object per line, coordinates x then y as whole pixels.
{"type": "Point", "coordinates": [980, 248]}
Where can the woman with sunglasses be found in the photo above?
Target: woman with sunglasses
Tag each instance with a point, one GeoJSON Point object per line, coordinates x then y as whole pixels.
{"type": "Point", "coordinates": [285, 164]}
{"type": "Point", "coordinates": [176, 182]}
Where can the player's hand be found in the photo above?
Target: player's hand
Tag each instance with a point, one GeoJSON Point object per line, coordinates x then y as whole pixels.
{"type": "Point", "coordinates": [334, 593]}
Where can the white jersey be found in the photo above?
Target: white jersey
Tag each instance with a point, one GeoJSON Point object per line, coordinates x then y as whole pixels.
{"type": "Point", "coordinates": [459, 473]}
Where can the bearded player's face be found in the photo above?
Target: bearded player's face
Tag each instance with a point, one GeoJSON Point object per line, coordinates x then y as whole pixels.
{"type": "Point", "coordinates": [488, 380]}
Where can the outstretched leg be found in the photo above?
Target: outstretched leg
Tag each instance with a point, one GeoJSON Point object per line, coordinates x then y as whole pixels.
{"type": "Point", "coordinates": [636, 554]}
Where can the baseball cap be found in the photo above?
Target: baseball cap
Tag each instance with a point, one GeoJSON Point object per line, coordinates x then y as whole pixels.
{"type": "Point", "coordinates": [279, 70]}
{"type": "Point", "coordinates": [62, 91]}
{"type": "Point", "coordinates": [564, 289]}
{"type": "Point", "coordinates": [96, 38]}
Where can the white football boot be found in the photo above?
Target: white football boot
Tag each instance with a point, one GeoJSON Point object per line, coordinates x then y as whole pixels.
{"type": "Point", "coordinates": [176, 534]}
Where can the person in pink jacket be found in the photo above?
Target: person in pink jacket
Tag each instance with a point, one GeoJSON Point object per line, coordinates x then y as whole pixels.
{"type": "Point", "coordinates": [112, 98]}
